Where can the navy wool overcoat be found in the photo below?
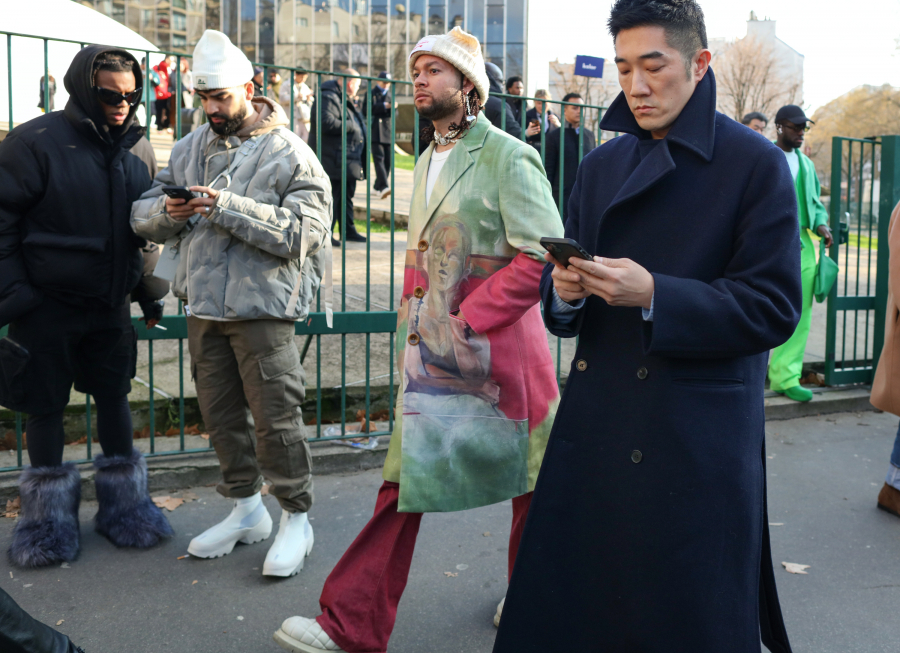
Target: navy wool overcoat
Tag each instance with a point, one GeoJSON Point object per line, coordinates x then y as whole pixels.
{"type": "Point", "coordinates": [647, 531]}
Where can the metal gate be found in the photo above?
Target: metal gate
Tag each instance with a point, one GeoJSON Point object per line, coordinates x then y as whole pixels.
{"type": "Point", "coordinates": [865, 187]}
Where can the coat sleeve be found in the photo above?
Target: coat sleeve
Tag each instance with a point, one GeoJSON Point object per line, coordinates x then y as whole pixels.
{"type": "Point", "coordinates": [551, 158]}
{"type": "Point", "coordinates": [528, 214]}
{"type": "Point", "coordinates": [331, 116]}
{"type": "Point", "coordinates": [278, 229]}
{"type": "Point", "coordinates": [22, 181]}
{"type": "Point", "coordinates": [820, 215]}
{"type": "Point", "coordinates": [756, 305]}
{"type": "Point", "coordinates": [149, 218]}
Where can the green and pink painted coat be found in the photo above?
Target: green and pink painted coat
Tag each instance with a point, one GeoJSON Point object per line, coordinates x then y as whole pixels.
{"type": "Point", "coordinates": [479, 395]}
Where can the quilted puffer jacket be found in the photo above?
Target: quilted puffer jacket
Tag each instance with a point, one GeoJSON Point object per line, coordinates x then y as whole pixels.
{"type": "Point", "coordinates": [271, 218]}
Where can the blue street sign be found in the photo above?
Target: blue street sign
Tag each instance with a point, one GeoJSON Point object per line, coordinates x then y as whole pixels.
{"type": "Point", "coordinates": [588, 66]}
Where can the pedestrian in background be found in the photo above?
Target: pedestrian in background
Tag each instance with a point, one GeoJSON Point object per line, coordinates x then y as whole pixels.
{"type": "Point", "coordinates": [380, 102]}
{"type": "Point", "coordinates": [573, 131]}
{"type": "Point", "coordinates": [253, 251]}
{"type": "Point", "coordinates": [161, 105]}
{"type": "Point", "coordinates": [648, 529]}
{"type": "Point", "coordinates": [275, 82]}
{"type": "Point", "coordinates": [478, 388]}
{"type": "Point", "coordinates": [68, 261]}
{"type": "Point", "coordinates": [341, 124]}
{"type": "Point", "coordinates": [515, 86]}
{"type": "Point", "coordinates": [786, 361]}
{"type": "Point", "coordinates": [187, 84]}
{"type": "Point", "coordinates": [258, 90]}
{"type": "Point", "coordinates": [495, 107]}
{"type": "Point", "coordinates": [539, 121]}
{"type": "Point", "coordinates": [886, 385]}
{"type": "Point", "coordinates": [303, 101]}
{"type": "Point", "coordinates": [756, 121]}
{"type": "Point", "coordinates": [50, 91]}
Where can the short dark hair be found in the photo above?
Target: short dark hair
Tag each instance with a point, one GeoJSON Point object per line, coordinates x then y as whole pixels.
{"type": "Point", "coordinates": [512, 80]}
{"type": "Point", "coordinates": [115, 61]}
{"type": "Point", "coordinates": [568, 97]}
{"type": "Point", "coordinates": [754, 115]}
{"type": "Point", "coordinates": [682, 21]}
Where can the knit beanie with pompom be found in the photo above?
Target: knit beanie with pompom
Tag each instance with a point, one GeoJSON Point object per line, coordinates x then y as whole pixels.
{"type": "Point", "coordinates": [461, 50]}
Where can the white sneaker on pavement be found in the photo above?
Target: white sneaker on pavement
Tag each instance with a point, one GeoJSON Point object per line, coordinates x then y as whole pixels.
{"type": "Point", "coordinates": [382, 194]}
{"type": "Point", "coordinates": [249, 522]}
{"type": "Point", "coordinates": [292, 544]}
{"type": "Point", "coordinates": [499, 612]}
{"type": "Point", "coordinates": [304, 635]}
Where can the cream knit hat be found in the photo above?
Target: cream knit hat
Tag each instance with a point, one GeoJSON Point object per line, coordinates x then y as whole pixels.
{"type": "Point", "coordinates": [218, 63]}
{"type": "Point", "coordinates": [461, 50]}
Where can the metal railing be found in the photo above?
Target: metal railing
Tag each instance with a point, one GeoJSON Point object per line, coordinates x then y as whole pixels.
{"type": "Point", "coordinates": [865, 187]}
{"type": "Point", "coordinates": [366, 321]}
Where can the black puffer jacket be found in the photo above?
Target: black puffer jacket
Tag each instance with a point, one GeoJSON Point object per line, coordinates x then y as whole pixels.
{"type": "Point", "coordinates": [330, 131]}
{"type": "Point", "coordinates": [68, 182]}
{"type": "Point", "coordinates": [496, 106]}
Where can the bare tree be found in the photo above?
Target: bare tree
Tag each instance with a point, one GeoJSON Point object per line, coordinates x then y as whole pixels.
{"type": "Point", "coordinates": [750, 77]}
{"type": "Point", "coordinates": [595, 91]}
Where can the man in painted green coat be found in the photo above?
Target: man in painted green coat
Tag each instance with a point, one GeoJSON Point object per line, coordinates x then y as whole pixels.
{"type": "Point", "coordinates": [478, 387]}
{"type": "Point", "coordinates": [786, 361]}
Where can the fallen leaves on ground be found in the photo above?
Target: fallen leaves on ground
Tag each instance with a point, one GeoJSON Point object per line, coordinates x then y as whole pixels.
{"type": "Point", "coordinates": [486, 534]}
{"type": "Point", "coordinates": [60, 622]}
{"type": "Point", "coordinates": [265, 489]}
{"type": "Point", "coordinates": [169, 503]}
{"type": "Point", "coordinates": [8, 442]}
{"type": "Point", "coordinates": [814, 378]}
{"type": "Point", "coordinates": [145, 433]}
{"type": "Point", "coordinates": [13, 506]}
{"type": "Point", "coordinates": [450, 574]}
{"type": "Point", "coordinates": [795, 568]}
{"type": "Point", "coordinates": [193, 429]}
{"type": "Point", "coordinates": [195, 582]}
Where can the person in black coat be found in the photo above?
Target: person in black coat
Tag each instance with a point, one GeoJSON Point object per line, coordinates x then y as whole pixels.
{"type": "Point", "coordinates": [68, 261]}
{"type": "Point", "coordinates": [571, 157]}
{"type": "Point", "coordinates": [516, 87]}
{"type": "Point", "coordinates": [341, 119]}
{"type": "Point", "coordinates": [648, 528]}
{"type": "Point", "coordinates": [495, 107]}
{"type": "Point", "coordinates": [379, 100]}
{"type": "Point", "coordinates": [537, 123]}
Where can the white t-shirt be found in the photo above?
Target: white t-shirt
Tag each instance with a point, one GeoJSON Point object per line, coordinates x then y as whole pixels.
{"type": "Point", "coordinates": [434, 169]}
{"type": "Point", "coordinates": [793, 163]}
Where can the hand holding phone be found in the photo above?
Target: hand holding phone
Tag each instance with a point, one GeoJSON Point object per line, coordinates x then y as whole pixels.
{"type": "Point", "coordinates": [567, 283]}
{"type": "Point", "coordinates": [177, 198]}
{"type": "Point", "coordinates": [562, 249]}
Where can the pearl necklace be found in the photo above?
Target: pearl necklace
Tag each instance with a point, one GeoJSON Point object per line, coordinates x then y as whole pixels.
{"type": "Point", "coordinates": [442, 140]}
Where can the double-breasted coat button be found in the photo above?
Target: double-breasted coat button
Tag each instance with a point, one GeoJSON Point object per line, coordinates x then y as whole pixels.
{"type": "Point", "coordinates": [581, 365]}
{"type": "Point", "coordinates": [636, 456]}
{"type": "Point", "coordinates": [413, 339]}
{"type": "Point", "coordinates": [419, 292]}
{"type": "Point", "coordinates": [423, 245]}
{"type": "Point", "coordinates": [642, 374]}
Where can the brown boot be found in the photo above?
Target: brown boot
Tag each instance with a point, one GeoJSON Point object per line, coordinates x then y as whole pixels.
{"type": "Point", "coordinates": [889, 500]}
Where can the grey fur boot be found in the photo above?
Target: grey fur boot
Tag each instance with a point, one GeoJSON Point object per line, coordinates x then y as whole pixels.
{"type": "Point", "coordinates": [47, 531]}
{"type": "Point", "coordinates": [127, 515]}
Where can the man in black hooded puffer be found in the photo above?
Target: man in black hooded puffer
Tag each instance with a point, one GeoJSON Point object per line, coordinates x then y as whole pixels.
{"type": "Point", "coordinates": [68, 260]}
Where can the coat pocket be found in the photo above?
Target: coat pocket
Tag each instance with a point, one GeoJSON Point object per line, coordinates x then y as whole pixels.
{"type": "Point", "coordinates": [64, 262]}
{"type": "Point", "coordinates": [13, 359]}
{"type": "Point", "coordinates": [708, 382]}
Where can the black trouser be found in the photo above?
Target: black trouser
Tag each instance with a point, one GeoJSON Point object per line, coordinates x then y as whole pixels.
{"type": "Point", "coordinates": [381, 155]}
{"type": "Point", "coordinates": [161, 108]}
{"type": "Point", "coordinates": [336, 205]}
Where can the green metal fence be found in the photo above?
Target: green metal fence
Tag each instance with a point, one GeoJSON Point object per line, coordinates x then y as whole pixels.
{"type": "Point", "coordinates": [367, 317]}
{"type": "Point", "coordinates": [865, 187]}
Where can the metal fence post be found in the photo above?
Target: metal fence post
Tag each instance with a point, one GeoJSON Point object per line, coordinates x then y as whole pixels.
{"type": "Point", "coordinates": [837, 155]}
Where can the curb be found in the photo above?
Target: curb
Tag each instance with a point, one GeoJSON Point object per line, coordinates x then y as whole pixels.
{"type": "Point", "coordinates": [848, 399]}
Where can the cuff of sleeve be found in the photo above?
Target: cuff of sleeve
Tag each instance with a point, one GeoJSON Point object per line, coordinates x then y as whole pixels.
{"type": "Point", "coordinates": [648, 314]}
{"type": "Point", "coordinates": [562, 306]}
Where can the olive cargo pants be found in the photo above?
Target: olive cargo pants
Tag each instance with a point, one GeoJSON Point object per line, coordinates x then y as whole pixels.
{"type": "Point", "coordinates": [250, 386]}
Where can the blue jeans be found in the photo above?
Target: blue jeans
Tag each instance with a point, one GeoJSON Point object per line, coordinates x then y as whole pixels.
{"type": "Point", "coordinates": [893, 475]}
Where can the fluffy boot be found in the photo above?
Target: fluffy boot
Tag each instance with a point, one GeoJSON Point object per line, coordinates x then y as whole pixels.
{"type": "Point", "coordinates": [47, 531]}
{"type": "Point", "coordinates": [127, 515]}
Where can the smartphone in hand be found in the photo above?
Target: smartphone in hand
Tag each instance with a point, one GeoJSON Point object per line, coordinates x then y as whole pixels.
{"type": "Point", "coordinates": [180, 193]}
{"type": "Point", "coordinates": [562, 249]}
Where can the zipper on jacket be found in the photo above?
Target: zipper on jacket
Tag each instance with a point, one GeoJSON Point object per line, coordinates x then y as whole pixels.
{"type": "Point", "coordinates": [261, 223]}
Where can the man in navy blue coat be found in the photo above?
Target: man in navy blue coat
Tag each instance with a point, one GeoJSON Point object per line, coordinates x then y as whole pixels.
{"type": "Point", "coordinates": [648, 529]}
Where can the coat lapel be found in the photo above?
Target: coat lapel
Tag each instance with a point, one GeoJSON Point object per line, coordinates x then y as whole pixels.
{"type": "Point", "coordinates": [417, 204]}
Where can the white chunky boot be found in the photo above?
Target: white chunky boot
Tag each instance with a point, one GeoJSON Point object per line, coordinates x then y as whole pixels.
{"type": "Point", "coordinates": [292, 544]}
{"type": "Point", "coordinates": [304, 635]}
{"type": "Point", "coordinates": [248, 523]}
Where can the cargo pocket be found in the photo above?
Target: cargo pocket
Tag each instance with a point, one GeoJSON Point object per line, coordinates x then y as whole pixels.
{"type": "Point", "coordinates": [277, 371]}
{"type": "Point", "coordinates": [13, 359]}
{"type": "Point", "coordinates": [296, 452]}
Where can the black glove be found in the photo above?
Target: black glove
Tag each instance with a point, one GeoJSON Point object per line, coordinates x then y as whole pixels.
{"type": "Point", "coordinates": [152, 310]}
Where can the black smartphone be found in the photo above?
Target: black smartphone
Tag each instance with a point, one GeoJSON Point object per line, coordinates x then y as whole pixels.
{"type": "Point", "coordinates": [180, 193]}
{"type": "Point", "coordinates": [563, 249]}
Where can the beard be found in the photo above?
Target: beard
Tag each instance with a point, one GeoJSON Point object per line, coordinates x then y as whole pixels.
{"type": "Point", "coordinates": [232, 123]}
{"type": "Point", "coordinates": [443, 108]}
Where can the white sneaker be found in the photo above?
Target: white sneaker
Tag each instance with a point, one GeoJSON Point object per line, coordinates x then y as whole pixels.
{"type": "Point", "coordinates": [499, 612]}
{"type": "Point", "coordinates": [292, 544]}
{"type": "Point", "coordinates": [249, 522]}
{"type": "Point", "coordinates": [382, 194]}
{"type": "Point", "coordinates": [303, 635]}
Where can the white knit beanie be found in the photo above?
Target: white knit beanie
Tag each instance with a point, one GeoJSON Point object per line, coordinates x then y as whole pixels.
{"type": "Point", "coordinates": [459, 49]}
{"type": "Point", "coordinates": [218, 63]}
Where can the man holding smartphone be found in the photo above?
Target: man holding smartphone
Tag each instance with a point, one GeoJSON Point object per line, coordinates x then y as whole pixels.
{"type": "Point", "coordinates": [244, 208]}
{"type": "Point", "coordinates": [68, 260]}
{"type": "Point", "coordinates": [649, 516]}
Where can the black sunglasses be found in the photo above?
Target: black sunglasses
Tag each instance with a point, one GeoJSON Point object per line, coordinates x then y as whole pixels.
{"type": "Point", "coordinates": [114, 99]}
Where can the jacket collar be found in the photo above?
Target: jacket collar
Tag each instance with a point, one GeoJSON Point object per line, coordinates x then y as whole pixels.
{"type": "Point", "coordinates": [457, 163]}
{"type": "Point", "coordinates": [694, 129]}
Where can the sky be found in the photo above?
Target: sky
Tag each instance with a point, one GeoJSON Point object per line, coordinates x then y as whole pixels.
{"type": "Point", "coordinates": [845, 44]}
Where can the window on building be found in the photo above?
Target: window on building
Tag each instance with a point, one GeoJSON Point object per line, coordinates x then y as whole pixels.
{"type": "Point", "coordinates": [436, 19]}
{"type": "Point", "coordinates": [302, 22]}
{"type": "Point", "coordinates": [335, 29]}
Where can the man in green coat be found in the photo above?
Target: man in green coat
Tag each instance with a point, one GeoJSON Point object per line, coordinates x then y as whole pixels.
{"type": "Point", "coordinates": [786, 361]}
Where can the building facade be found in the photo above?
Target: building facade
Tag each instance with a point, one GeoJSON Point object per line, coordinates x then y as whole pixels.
{"type": "Point", "coordinates": [329, 35]}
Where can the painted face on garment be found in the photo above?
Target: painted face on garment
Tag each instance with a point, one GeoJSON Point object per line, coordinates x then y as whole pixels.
{"type": "Point", "coordinates": [655, 78]}
{"type": "Point", "coordinates": [446, 264]}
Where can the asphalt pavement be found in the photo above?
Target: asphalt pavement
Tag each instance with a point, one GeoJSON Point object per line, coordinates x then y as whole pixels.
{"type": "Point", "coordinates": [824, 476]}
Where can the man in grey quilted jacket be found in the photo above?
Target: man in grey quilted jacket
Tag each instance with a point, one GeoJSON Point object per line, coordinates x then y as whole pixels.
{"type": "Point", "coordinates": [246, 256]}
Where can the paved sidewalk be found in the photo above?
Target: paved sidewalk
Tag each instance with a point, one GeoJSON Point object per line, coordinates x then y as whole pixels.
{"type": "Point", "coordinates": [824, 474]}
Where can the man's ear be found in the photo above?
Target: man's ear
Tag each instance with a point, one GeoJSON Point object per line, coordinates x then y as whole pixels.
{"type": "Point", "coordinates": [700, 64]}
{"type": "Point", "coordinates": [467, 85]}
{"type": "Point", "coordinates": [248, 90]}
